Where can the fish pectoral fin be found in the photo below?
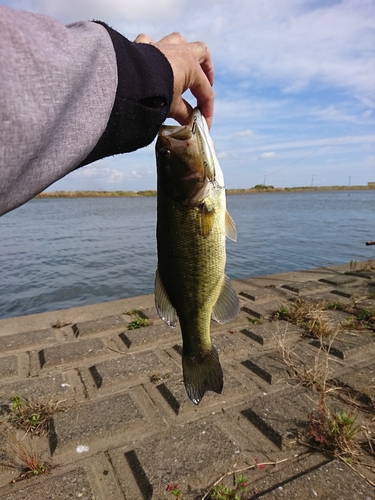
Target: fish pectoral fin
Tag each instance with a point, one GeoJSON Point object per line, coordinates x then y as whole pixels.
{"type": "Point", "coordinates": [202, 374]}
{"type": "Point", "coordinates": [227, 306]}
{"type": "Point", "coordinates": [207, 219]}
{"type": "Point", "coordinates": [230, 227]}
{"type": "Point", "coordinates": [163, 304]}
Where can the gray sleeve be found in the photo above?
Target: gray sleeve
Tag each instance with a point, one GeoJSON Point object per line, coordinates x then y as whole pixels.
{"type": "Point", "coordinates": [57, 90]}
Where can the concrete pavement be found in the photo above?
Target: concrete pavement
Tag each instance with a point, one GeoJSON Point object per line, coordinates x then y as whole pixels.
{"type": "Point", "coordinates": [129, 429]}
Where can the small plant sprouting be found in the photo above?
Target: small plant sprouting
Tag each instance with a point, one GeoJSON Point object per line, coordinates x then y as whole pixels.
{"type": "Point", "coordinates": [334, 431]}
{"type": "Point", "coordinates": [174, 490]}
{"type": "Point", "coordinates": [221, 492]}
{"type": "Point", "coordinates": [27, 419]}
{"type": "Point", "coordinates": [255, 321]}
{"type": "Point", "coordinates": [139, 323]}
{"type": "Point", "coordinates": [33, 417]}
{"type": "Point", "coordinates": [139, 320]}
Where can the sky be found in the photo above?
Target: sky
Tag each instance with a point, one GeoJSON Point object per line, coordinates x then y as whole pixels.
{"type": "Point", "coordinates": [294, 87]}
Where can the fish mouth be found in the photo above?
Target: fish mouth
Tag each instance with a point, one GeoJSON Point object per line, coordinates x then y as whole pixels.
{"type": "Point", "coordinates": [182, 133]}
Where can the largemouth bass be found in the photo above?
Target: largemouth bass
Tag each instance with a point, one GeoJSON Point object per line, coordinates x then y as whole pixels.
{"type": "Point", "coordinates": [192, 224]}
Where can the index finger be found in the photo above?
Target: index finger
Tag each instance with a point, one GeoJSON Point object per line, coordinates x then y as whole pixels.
{"type": "Point", "coordinates": [203, 55]}
{"type": "Point", "coordinates": [201, 89]}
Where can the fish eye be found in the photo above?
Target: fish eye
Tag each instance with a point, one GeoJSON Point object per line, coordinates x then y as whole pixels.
{"type": "Point", "coordinates": [165, 152]}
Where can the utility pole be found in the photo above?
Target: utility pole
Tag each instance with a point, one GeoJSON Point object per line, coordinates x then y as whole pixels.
{"type": "Point", "coordinates": [350, 179]}
{"type": "Point", "coordinates": [312, 180]}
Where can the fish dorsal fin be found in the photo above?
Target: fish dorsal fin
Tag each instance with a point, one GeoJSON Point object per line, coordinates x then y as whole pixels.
{"type": "Point", "coordinates": [227, 306]}
{"type": "Point", "coordinates": [207, 219]}
{"type": "Point", "coordinates": [230, 227]}
{"type": "Point", "coordinates": [162, 303]}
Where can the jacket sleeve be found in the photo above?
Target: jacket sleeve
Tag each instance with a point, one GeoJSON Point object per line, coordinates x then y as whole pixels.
{"type": "Point", "coordinates": [71, 95]}
{"type": "Point", "coordinates": [143, 98]}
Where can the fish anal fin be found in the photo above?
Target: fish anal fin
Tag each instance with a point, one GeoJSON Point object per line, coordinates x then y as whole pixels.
{"type": "Point", "coordinates": [227, 306]}
{"type": "Point", "coordinates": [208, 219]}
{"type": "Point", "coordinates": [163, 304]}
{"type": "Point", "coordinates": [230, 227]}
{"type": "Point", "coordinates": [202, 374]}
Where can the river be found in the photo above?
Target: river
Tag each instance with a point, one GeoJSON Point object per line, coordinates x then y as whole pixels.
{"type": "Point", "coordinates": [67, 252]}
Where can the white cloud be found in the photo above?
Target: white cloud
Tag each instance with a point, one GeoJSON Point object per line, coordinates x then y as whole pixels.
{"type": "Point", "coordinates": [332, 113]}
{"type": "Point", "coordinates": [98, 172]}
{"type": "Point", "coordinates": [244, 133]}
{"type": "Point", "coordinates": [111, 11]}
{"type": "Point", "coordinates": [221, 155]}
{"type": "Point", "coordinates": [267, 156]}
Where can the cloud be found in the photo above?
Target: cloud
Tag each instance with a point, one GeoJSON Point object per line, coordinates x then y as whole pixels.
{"type": "Point", "coordinates": [333, 113]}
{"type": "Point", "coordinates": [221, 155]}
{"type": "Point", "coordinates": [114, 12]}
{"type": "Point", "coordinates": [98, 172]}
{"type": "Point", "coordinates": [266, 156]}
{"type": "Point", "coordinates": [244, 133]}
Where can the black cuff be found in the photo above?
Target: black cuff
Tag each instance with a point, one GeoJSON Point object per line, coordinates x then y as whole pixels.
{"type": "Point", "coordinates": [143, 98]}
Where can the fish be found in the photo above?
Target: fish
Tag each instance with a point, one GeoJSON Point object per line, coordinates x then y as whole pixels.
{"type": "Point", "coordinates": [192, 225]}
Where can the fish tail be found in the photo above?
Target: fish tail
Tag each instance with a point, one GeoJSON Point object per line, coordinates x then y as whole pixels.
{"type": "Point", "coordinates": [202, 374]}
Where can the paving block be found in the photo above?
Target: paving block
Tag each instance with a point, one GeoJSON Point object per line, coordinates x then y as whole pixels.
{"type": "Point", "coordinates": [339, 280]}
{"type": "Point", "coordinates": [261, 293]}
{"type": "Point", "coordinates": [174, 393]}
{"type": "Point", "coordinates": [192, 455]}
{"type": "Point", "coordinates": [272, 332]}
{"type": "Point", "coordinates": [260, 310]}
{"type": "Point", "coordinates": [147, 313]}
{"type": "Point", "coordinates": [54, 387]}
{"type": "Point", "coordinates": [305, 287]}
{"type": "Point", "coordinates": [70, 352]}
{"type": "Point", "coordinates": [86, 424]}
{"type": "Point", "coordinates": [345, 293]}
{"type": "Point", "coordinates": [360, 381]}
{"type": "Point", "coordinates": [348, 344]}
{"type": "Point", "coordinates": [269, 366]}
{"type": "Point", "coordinates": [125, 370]}
{"type": "Point", "coordinates": [110, 323]}
{"type": "Point", "coordinates": [367, 275]}
{"type": "Point", "coordinates": [24, 340]}
{"type": "Point", "coordinates": [8, 367]}
{"type": "Point", "coordinates": [230, 343]}
{"type": "Point", "coordinates": [149, 335]}
{"type": "Point", "coordinates": [288, 361]}
{"type": "Point", "coordinates": [330, 481]}
{"type": "Point", "coordinates": [73, 484]}
{"type": "Point", "coordinates": [283, 416]}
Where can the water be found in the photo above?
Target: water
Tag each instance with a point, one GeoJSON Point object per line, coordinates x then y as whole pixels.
{"type": "Point", "coordinates": [60, 253]}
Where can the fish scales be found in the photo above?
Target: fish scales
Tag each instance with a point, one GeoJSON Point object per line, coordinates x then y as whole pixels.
{"type": "Point", "coordinates": [192, 267]}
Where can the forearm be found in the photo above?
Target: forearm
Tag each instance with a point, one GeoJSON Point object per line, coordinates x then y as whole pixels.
{"type": "Point", "coordinates": [71, 95]}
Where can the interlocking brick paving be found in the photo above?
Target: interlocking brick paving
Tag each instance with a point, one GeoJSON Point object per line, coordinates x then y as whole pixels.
{"type": "Point", "coordinates": [128, 428]}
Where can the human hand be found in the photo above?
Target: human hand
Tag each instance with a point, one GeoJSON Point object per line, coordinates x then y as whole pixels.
{"type": "Point", "coordinates": [192, 69]}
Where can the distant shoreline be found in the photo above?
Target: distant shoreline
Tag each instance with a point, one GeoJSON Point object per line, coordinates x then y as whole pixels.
{"type": "Point", "coordinates": [256, 189]}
